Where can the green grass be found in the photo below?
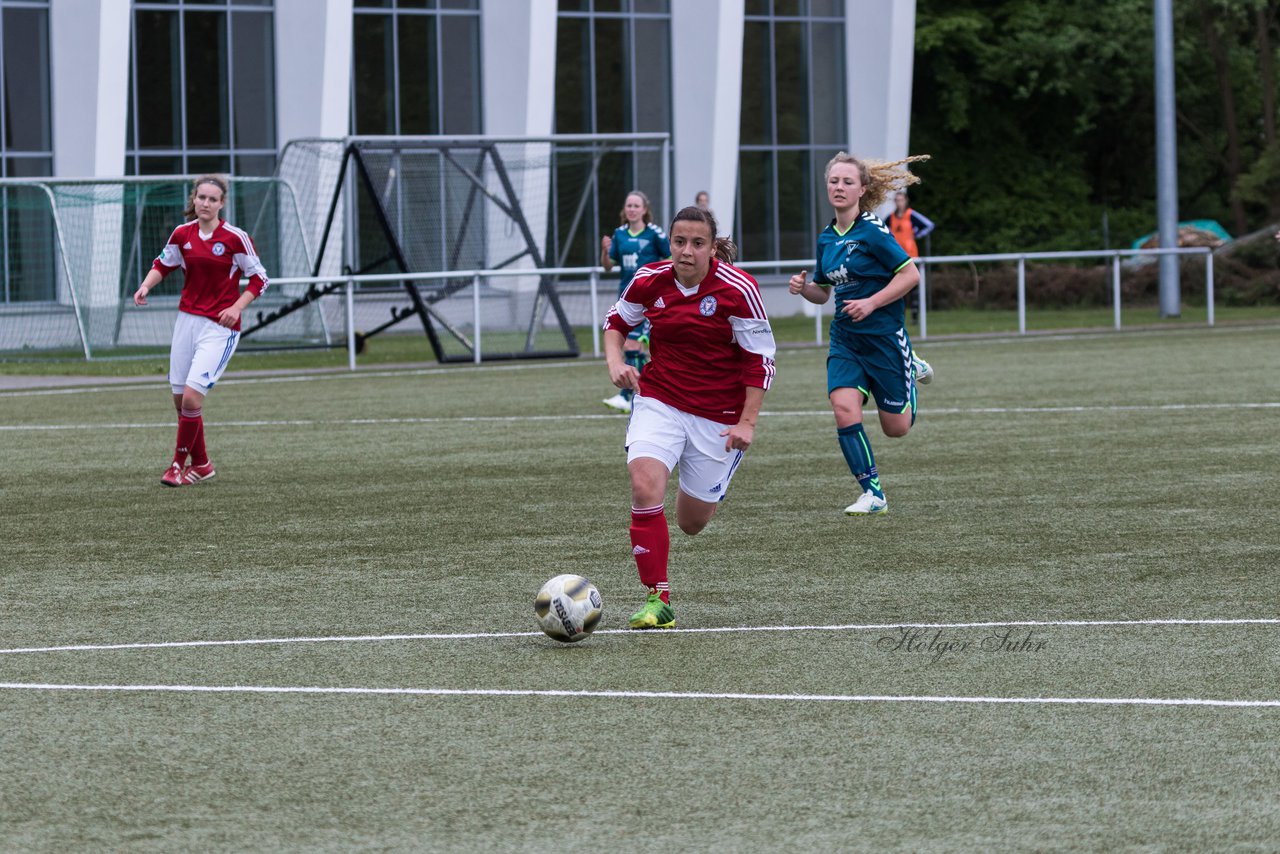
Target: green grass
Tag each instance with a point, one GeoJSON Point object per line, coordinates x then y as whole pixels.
{"type": "Point", "coordinates": [1055, 478]}
{"type": "Point", "coordinates": [401, 348]}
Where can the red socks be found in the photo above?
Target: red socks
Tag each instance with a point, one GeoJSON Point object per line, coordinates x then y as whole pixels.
{"type": "Point", "coordinates": [190, 438]}
{"type": "Point", "coordinates": [650, 544]}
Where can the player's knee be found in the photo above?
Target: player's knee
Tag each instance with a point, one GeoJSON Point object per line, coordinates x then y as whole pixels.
{"type": "Point", "coordinates": [692, 526]}
{"type": "Point", "coordinates": [896, 430]}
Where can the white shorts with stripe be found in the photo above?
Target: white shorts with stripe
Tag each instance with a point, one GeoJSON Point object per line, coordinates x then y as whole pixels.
{"type": "Point", "coordinates": [200, 352]}
{"type": "Point", "coordinates": [676, 438]}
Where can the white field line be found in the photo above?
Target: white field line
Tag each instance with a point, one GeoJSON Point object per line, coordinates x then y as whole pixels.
{"type": "Point", "coordinates": [508, 419]}
{"type": "Point", "coordinates": [595, 364]}
{"type": "Point", "coordinates": [644, 695]}
{"type": "Point", "coordinates": [850, 627]}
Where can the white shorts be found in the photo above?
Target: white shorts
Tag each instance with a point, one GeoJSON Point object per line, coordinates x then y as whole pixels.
{"type": "Point", "coordinates": [673, 437]}
{"type": "Point", "coordinates": [200, 352]}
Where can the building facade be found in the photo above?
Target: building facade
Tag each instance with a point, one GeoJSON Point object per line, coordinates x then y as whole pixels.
{"type": "Point", "coordinates": [756, 94]}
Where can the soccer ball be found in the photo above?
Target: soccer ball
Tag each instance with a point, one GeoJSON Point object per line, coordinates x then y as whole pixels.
{"type": "Point", "coordinates": [568, 608]}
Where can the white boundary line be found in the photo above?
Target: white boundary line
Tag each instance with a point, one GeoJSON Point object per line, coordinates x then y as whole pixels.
{"type": "Point", "coordinates": [1260, 621]}
{"type": "Point", "coordinates": [646, 695]}
{"type": "Point", "coordinates": [507, 419]}
{"type": "Point", "coordinates": [339, 374]}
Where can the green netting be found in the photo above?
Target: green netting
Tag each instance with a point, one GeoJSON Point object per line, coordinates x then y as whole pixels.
{"type": "Point", "coordinates": [75, 252]}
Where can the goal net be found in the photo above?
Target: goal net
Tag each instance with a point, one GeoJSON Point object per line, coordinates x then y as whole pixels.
{"type": "Point", "coordinates": [75, 251]}
{"type": "Point", "coordinates": [466, 205]}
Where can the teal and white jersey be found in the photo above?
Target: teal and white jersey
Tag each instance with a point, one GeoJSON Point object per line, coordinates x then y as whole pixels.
{"type": "Point", "coordinates": [632, 251]}
{"type": "Point", "coordinates": [859, 263]}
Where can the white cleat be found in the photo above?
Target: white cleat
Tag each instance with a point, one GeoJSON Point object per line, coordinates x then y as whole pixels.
{"type": "Point", "coordinates": [618, 403]}
{"type": "Point", "coordinates": [868, 504]}
{"type": "Point", "coordinates": [923, 370]}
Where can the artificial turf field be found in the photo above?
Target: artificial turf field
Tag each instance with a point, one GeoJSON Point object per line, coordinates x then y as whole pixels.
{"type": "Point", "coordinates": [1103, 506]}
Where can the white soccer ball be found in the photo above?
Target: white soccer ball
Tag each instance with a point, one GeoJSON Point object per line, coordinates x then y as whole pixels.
{"type": "Point", "coordinates": [568, 608]}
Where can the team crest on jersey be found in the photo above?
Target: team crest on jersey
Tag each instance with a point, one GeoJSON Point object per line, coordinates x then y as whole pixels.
{"type": "Point", "coordinates": [707, 307]}
{"type": "Point", "coordinates": [218, 249]}
{"type": "Point", "coordinates": [852, 245]}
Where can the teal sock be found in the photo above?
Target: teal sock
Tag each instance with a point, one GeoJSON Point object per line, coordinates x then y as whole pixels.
{"type": "Point", "coordinates": [857, 453]}
{"type": "Point", "coordinates": [636, 359]}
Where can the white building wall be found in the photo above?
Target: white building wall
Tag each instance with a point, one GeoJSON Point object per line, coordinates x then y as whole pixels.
{"type": "Point", "coordinates": [313, 68]}
{"type": "Point", "coordinates": [879, 56]}
{"type": "Point", "coordinates": [706, 83]}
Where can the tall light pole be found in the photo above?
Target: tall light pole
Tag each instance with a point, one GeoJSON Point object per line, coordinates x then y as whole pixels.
{"type": "Point", "coordinates": [1166, 160]}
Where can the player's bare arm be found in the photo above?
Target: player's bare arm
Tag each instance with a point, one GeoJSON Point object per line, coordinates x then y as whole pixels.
{"type": "Point", "coordinates": [621, 374]}
{"type": "Point", "coordinates": [150, 281]}
{"type": "Point", "coordinates": [901, 284]}
{"type": "Point", "coordinates": [739, 436]}
{"type": "Point", "coordinates": [230, 315]}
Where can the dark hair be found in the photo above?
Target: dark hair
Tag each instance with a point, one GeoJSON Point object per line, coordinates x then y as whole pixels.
{"type": "Point", "coordinates": [723, 246]}
{"type": "Point", "coordinates": [218, 181]}
{"type": "Point", "coordinates": [622, 214]}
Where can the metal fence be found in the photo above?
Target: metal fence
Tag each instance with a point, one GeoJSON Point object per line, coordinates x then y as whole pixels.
{"type": "Point", "coordinates": [591, 277]}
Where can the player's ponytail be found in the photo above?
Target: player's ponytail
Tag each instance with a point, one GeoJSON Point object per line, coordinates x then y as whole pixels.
{"type": "Point", "coordinates": [881, 178]}
{"type": "Point", "coordinates": [189, 213]}
{"type": "Point", "coordinates": [724, 248]}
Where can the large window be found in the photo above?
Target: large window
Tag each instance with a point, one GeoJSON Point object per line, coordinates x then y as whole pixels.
{"type": "Point", "coordinates": [793, 121]}
{"type": "Point", "coordinates": [416, 67]}
{"type": "Point", "coordinates": [613, 75]}
{"type": "Point", "coordinates": [202, 88]}
{"type": "Point", "coordinates": [26, 150]}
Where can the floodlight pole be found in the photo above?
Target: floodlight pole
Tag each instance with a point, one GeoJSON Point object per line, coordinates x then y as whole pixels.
{"type": "Point", "coordinates": [1166, 160]}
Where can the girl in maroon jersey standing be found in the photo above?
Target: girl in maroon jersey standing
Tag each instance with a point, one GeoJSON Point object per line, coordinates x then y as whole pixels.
{"type": "Point", "coordinates": [711, 360]}
{"type": "Point", "coordinates": [214, 256]}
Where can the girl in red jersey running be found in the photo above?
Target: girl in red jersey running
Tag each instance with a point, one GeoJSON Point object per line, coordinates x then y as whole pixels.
{"type": "Point", "coordinates": [214, 255]}
{"type": "Point", "coordinates": [696, 404]}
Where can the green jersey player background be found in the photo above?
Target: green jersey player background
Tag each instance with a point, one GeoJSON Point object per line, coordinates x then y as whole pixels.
{"type": "Point", "coordinates": [870, 353]}
{"type": "Point", "coordinates": [634, 243]}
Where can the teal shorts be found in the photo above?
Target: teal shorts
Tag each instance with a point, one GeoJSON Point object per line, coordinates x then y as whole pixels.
{"type": "Point", "coordinates": [879, 366]}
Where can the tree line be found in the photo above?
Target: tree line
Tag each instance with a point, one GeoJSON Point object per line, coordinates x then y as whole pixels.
{"type": "Point", "coordinates": [1041, 120]}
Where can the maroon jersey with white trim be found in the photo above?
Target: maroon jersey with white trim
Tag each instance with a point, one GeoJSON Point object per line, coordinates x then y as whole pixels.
{"type": "Point", "coordinates": [213, 267]}
{"type": "Point", "coordinates": [706, 343]}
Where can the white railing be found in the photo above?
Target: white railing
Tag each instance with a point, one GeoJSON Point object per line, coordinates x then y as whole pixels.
{"type": "Point", "coordinates": [593, 274]}
{"type": "Point", "coordinates": [1022, 257]}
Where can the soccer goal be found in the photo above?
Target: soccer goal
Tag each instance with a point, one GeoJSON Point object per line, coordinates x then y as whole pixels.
{"type": "Point", "coordinates": [468, 206]}
{"type": "Point", "coordinates": [76, 250]}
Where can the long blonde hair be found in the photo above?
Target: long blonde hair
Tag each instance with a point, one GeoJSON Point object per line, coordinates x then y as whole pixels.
{"type": "Point", "coordinates": [881, 177]}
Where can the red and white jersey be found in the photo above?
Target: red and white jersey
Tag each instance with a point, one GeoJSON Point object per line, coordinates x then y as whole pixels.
{"type": "Point", "coordinates": [213, 267]}
{"type": "Point", "coordinates": [707, 343]}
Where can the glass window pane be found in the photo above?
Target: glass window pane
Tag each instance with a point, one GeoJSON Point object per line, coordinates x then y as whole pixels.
{"type": "Point", "coordinates": [208, 108]}
{"type": "Point", "coordinates": [573, 5]}
{"type": "Point", "coordinates": [374, 75]}
{"type": "Point", "coordinates": [419, 103]}
{"type": "Point", "coordinates": [261, 165]}
{"type": "Point", "coordinates": [796, 231]}
{"type": "Point", "coordinates": [828, 83]}
{"type": "Point", "coordinates": [756, 125]}
{"type": "Point", "coordinates": [459, 4]}
{"type": "Point", "coordinates": [653, 75]}
{"type": "Point", "coordinates": [826, 8]}
{"type": "Point", "coordinates": [386, 4]}
{"type": "Point", "coordinates": [253, 69]}
{"type": "Point", "coordinates": [755, 206]}
{"type": "Point", "coordinates": [29, 167]}
{"type": "Point", "coordinates": [26, 79]}
{"type": "Point", "coordinates": [654, 6]}
{"type": "Point", "coordinates": [757, 7]}
{"type": "Point", "coordinates": [160, 166]}
{"type": "Point", "coordinates": [203, 164]}
{"type": "Point", "coordinates": [460, 54]}
{"type": "Point", "coordinates": [28, 242]}
{"type": "Point", "coordinates": [573, 80]}
{"type": "Point", "coordinates": [792, 81]}
{"type": "Point", "coordinates": [158, 109]}
{"type": "Point", "coordinates": [788, 8]}
{"type": "Point", "coordinates": [608, 5]}
{"type": "Point", "coordinates": [613, 94]}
